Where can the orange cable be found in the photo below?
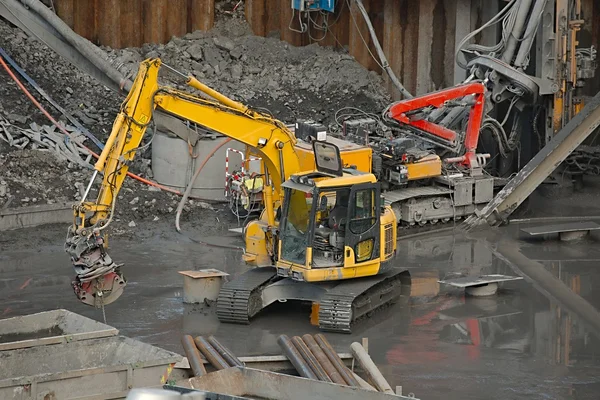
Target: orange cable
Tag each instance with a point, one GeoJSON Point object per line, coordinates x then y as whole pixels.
{"type": "Point", "coordinates": [63, 130]}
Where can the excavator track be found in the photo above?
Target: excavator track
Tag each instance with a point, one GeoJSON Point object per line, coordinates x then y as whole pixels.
{"type": "Point", "coordinates": [240, 299]}
{"type": "Point", "coordinates": [353, 299]}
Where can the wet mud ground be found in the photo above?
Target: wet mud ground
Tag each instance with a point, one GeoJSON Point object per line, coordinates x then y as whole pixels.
{"type": "Point", "coordinates": [521, 343]}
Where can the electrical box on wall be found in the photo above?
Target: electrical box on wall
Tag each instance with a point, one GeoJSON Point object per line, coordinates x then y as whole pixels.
{"type": "Point", "coordinates": [313, 5]}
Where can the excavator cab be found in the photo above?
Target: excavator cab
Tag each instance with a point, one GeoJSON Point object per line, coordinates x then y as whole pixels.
{"type": "Point", "coordinates": [330, 225]}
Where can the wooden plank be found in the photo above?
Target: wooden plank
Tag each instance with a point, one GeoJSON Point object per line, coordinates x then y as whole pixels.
{"type": "Point", "coordinates": [393, 45]}
{"type": "Point", "coordinates": [377, 16]}
{"type": "Point", "coordinates": [108, 22]}
{"type": "Point", "coordinates": [65, 10]}
{"type": "Point", "coordinates": [359, 37]}
{"type": "Point", "coordinates": [289, 17]}
{"type": "Point", "coordinates": [201, 15]}
{"type": "Point", "coordinates": [256, 15]}
{"type": "Point", "coordinates": [272, 11]}
{"type": "Point", "coordinates": [176, 18]}
{"type": "Point", "coordinates": [154, 14]}
{"type": "Point", "coordinates": [410, 27]}
{"type": "Point", "coordinates": [131, 24]}
{"type": "Point", "coordinates": [339, 25]}
{"type": "Point", "coordinates": [425, 42]}
{"type": "Point", "coordinates": [84, 19]}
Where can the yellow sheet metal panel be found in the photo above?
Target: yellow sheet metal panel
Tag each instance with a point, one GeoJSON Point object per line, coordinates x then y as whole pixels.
{"type": "Point", "coordinates": [427, 168]}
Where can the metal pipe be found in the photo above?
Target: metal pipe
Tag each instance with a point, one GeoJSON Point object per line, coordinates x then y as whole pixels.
{"type": "Point", "coordinates": [193, 355]}
{"type": "Point", "coordinates": [370, 368]}
{"type": "Point", "coordinates": [532, 27]}
{"type": "Point", "coordinates": [89, 187]}
{"type": "Point", "coordinates": [329, 368]}
{"type": "Point", "coordinates": [310, 359]}
{"type": "Point", "coordinates": [517, 31]}
{"type": "Point", "coordinates": [196, 84]}
{"type": "Point", "coordinates": [336, 360]}
{"type": "Point", "coordinates": [295, 357]}
{"type": "Point", "coordinates": [364, 384]}
{"type": "Point", "coordinates": [210, 353]}
{"type": "Point", "coordinates": [225, 352]}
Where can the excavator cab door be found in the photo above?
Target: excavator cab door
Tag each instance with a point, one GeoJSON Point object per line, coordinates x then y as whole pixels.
{"type": "Point", "coordinates": [362, 224]}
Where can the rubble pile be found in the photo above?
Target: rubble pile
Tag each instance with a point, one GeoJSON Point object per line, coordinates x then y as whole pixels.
{"type": "Point", "coordinates": [309, 82]}
{"type": "Point", "coordinates": [291, 83]}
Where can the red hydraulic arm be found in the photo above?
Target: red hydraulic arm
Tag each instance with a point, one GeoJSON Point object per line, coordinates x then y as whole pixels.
{"type": "Point", "coordinates": [406, 112]}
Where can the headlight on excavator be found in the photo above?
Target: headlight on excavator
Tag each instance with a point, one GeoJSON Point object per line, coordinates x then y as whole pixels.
{"type": "Point", "coordinates": [364, 250]}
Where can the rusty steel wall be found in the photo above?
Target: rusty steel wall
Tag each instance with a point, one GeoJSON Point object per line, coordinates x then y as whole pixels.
{"type": "Point", "coordinates": [131, 23]}
{"type": "Point", "coordinates": [419, 37]}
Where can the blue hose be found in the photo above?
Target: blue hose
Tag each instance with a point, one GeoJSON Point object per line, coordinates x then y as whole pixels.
{"type": "Point", "coordinates": [41, 91]}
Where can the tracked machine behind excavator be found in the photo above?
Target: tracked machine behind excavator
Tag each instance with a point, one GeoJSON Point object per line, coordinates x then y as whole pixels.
{"type": "Point", "coordinates": [326, 235]}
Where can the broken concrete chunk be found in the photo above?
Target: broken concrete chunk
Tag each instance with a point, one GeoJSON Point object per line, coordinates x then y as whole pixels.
{"type": "Point", "coordinates": [236, 71]}
{"type": "Point", "coordinates": [224, 43]}
{"type": "Point", "coordinates": [195, 52]}
{"type": "Point", "coordinates": [131, 224]}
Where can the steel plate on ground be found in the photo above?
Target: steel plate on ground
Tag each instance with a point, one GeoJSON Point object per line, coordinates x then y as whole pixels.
{"type": "Point", "coordinates": [559, 228]}
{"type": "Point", "coordinates": [479, 280]}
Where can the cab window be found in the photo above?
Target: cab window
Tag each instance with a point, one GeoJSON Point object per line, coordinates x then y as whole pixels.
{"type": "Point", "coordinates": [363, 216]}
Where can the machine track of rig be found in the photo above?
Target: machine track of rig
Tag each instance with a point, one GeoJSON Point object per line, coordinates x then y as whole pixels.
{"type": "Point", "coordinates": [351, 300]}
{"type": "Point", "coordinates": [240, 299]}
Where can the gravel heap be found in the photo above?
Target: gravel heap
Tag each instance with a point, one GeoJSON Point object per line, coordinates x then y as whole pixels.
{"type": "Point", "coordinates": [293, 83]}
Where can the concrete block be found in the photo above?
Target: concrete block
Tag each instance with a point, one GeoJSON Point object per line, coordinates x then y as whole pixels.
{"type": "Point", "coordinates": [30, 216]}
{"type": "Point", "coordinates": [202, 285]}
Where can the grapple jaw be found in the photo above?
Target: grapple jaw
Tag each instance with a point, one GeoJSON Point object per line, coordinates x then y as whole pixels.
{"type": "Point", "coordinates": [98, 280]}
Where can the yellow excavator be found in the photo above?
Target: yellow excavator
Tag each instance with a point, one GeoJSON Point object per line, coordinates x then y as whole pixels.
{"type": "Point", "coordinates": [325, 235]}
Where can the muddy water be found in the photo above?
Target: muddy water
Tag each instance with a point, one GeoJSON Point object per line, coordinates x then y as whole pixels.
{"type": "Point", "coordinates": [522, 343]}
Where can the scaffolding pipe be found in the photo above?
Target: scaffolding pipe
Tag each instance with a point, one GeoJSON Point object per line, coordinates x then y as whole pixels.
{"type": "Point", "coordinates": [517, 31]}
{"type": "Point", "coordinates": [211, 354]}
{"type": "Point", "coordinates": [329, 368]}
{"type": "Point", "coordinates": [295, 358]}
{"type": "Point", "coordinates": [380, 53]}
{"type": "Point", "coordinates": [370, 368]}
{"type": "Point", "coordinates": [532, 27]}
{"type": "Point", "coordinates": [193, 355]}
{"type": "Point", "coordinates": [336, 360]}
{"type": "Point", "coordinates": [225, 352]}
{"type": "Point", "coordinates": [310, 359]}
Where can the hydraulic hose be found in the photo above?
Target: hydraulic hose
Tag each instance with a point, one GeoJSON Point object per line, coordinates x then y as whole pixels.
{"type": "Point", "coordinates": [380, 53]}
{"type": "Point", "coordinates": [85, 47]}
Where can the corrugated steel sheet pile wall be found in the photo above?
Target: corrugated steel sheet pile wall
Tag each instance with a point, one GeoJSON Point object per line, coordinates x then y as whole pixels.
{"type": "Point", "coordinates": [131, 23]}
{"type": "Point", "coordinates": [419, 37]}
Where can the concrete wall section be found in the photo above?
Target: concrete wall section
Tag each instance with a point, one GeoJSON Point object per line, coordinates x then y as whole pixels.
{"type": "Point", "coordinates": [27, 217]}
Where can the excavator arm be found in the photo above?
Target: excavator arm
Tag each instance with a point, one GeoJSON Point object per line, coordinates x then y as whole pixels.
{"type": "Point", "coordinates": [98, 280]}
{"type": "Point", "coordinates": [428, 117]}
